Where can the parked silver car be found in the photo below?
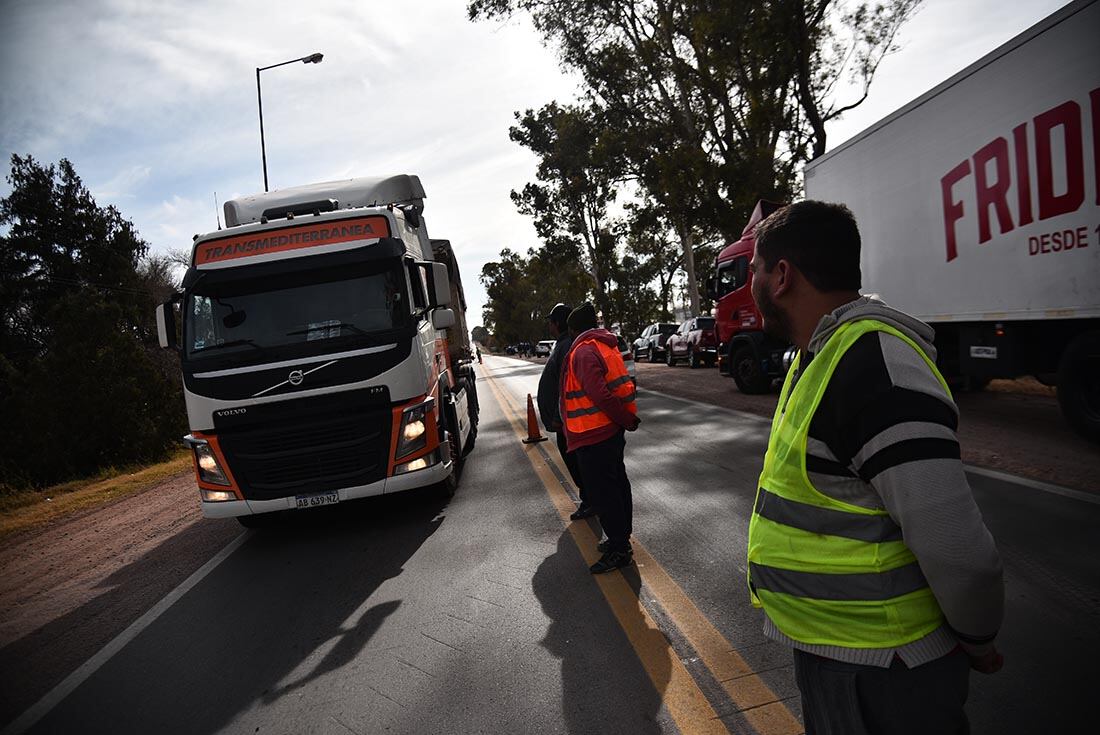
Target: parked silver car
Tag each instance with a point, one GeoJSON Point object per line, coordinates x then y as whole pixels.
{"type": "Point", "coordinates": [651, 343]}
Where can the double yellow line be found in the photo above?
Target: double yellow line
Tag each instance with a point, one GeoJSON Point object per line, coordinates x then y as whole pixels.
{"type": "Point", "coordinates": [685, 701]}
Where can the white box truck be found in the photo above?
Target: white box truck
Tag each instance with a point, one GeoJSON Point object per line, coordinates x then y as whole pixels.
{"type": "Point", "coordinates": [979, 209]}
{"type": "Point", "coordinates": [317, 365]}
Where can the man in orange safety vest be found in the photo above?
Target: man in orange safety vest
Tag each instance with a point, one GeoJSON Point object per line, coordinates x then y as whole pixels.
{"type": "Point", "coordinates": [597, 407]}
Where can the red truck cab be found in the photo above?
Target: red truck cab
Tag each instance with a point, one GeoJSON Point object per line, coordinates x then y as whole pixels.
{"type": "Point", "coordinates": [754, 359]}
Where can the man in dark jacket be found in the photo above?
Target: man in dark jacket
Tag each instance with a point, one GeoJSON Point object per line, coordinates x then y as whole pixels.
{"type": "Point", "coordinates": [548, 398]}
{"type": "Point", "coordinates": [597, 405]}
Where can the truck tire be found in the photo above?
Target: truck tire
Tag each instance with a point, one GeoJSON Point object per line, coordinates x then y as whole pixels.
{"type": "Point", "coordinates": [669, 359]}
{"type": "Point", "coordinates": [1079, 385]}
{"type": "Point", "coordinates": [652, 354]}
{"type": "Point", "coordinates": [473, 410]}
{"type": "Point", "coordinates": [746, 371]}
{"type": "Point", "coordinates": [693, 358]}
{"type": "Point", "coordinates": [448, 485]}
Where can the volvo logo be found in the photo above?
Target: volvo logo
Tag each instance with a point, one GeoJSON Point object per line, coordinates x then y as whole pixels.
{"type": "Point", "coordinates": [296, 377]}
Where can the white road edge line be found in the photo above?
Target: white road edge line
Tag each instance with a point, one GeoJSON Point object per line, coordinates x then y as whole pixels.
{"type": "Point", "coordinates": [42, 707]}
{"type": "Point", "coordinates": [1027, 482]}
{"type": "Point", "coordinates": [1035, 484]}
{"type": "Point", "coordinates": [994, 474]}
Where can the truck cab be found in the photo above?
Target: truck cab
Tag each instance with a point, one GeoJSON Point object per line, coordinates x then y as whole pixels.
{"type": "Point", "coordinates": [751, 357]}
{"type": "Point", "coordinates": [314, 350]}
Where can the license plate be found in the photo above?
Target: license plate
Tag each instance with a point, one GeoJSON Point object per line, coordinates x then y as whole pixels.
{"type": "Point", "coordinates": [314, 501]}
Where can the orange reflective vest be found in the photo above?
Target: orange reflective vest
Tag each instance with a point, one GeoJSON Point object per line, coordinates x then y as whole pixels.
{"type": "Point", "coordinates": [581, 413]}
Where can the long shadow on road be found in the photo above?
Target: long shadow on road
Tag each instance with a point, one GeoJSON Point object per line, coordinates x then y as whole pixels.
{"type": "Point", "coordinates": [290, 605]}
{"type": "Point", "coordinates": [604, 689]}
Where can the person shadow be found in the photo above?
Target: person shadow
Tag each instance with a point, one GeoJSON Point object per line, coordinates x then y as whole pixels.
{"type": "Point", "coordinates": [605, 686]}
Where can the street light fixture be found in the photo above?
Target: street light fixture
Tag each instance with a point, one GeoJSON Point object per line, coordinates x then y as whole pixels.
{"type": "Point", "coordinates": [311, 59]}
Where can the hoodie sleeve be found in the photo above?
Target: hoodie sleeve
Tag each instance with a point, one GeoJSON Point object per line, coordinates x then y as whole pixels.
{"type": "Point", "coordinates": [549, 382]}
{"type": "Point", "coordinates": [590, 371]}
{"type": "Point", "coordinates": [884, 436]}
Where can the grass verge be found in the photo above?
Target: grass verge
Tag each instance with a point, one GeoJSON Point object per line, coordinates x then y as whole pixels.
{"type": "Point", "coordinates": [27, 511]}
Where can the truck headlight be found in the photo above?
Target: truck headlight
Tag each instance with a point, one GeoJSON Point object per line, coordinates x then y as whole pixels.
{"type": "Point", "coordinates": [413, 432]}
{"type": "Point", "coordinates": [209, 468]}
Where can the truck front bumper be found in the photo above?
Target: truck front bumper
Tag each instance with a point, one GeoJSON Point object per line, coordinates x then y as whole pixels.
{"type": "Point", "coordinates": [408, 481]}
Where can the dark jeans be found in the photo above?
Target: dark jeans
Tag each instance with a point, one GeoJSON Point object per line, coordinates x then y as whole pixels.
{"type": "Point", "coordinates": [849, 699]}
{"type": "Point", "coordinates": [571, 465]}
{"type": "Point", "coordinates": [608, 488]}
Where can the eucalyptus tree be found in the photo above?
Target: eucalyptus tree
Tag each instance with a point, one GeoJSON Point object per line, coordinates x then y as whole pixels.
{"type": "Point", "coordinates": [718, 101]}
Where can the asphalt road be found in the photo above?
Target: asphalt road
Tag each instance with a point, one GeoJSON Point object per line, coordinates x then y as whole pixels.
{"type": "Point", "coordinates": [413, 614]}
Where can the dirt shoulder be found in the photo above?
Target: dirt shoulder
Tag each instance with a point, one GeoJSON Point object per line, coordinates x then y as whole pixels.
{"type": "Point", "coordinates": [69, 588]}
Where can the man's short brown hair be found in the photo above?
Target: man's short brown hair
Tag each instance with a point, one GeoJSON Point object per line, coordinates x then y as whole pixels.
{"type": "Point", "coordinates": [819, 238]}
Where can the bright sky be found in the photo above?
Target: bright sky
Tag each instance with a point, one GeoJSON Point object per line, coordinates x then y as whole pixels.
{"type": "Point", "coordinates": [155, 102]}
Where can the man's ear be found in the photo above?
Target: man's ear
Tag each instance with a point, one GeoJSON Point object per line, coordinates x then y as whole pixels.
{"type": "Point", "coordinates": [782, 278]}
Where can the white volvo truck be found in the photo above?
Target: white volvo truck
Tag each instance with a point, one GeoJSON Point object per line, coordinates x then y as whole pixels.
{"type": "Point", "coordinates": [979, 208]}
{"type": "Point", "coordinates": [316, 362]}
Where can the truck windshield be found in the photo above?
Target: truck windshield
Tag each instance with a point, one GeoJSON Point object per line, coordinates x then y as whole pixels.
{"type": "Point", "coordinates": [254, 319]}
{"type": "Point", "coordinates": [704, 322]}
{"type": "Point", "coordinates": [667, 329]}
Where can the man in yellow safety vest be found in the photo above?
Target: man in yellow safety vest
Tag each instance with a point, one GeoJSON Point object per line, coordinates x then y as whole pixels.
{"type": "Point", "coordinates": [866, 549]}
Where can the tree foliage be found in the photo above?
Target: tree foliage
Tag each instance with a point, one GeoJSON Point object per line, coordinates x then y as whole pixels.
{"type": "Point", "coordinates": [83, 384]}
{"type": "Point", "coordinates": [708, 105]}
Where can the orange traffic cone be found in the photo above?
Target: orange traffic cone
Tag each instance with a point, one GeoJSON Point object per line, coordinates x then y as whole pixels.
{"type": "Point", "coordinates": [533, 433]}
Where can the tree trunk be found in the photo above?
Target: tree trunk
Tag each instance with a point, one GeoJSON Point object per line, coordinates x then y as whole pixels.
{"type": "Point", "coordinates": [687, 241]}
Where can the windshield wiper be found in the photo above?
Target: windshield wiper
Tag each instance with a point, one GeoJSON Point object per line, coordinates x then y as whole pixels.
{"type": "Point", "coordinates": [232, 343]}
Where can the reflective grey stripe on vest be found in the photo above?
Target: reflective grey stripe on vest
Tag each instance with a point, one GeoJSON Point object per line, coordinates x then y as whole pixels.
{"type": "Point", "coordinates": [871, 586]}
{"type": "Point", "coordinates": [582, 412]}
{"type": "Point", "coordinates": [873, 529]}
{"type": "Point", "coordinates": [610, 387]}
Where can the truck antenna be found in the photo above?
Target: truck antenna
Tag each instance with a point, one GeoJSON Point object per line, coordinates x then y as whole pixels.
{"type": "Point", "coordinates": [217, 214]}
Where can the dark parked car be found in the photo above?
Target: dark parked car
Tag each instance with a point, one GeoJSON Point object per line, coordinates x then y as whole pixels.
{"type": "Point", "coordinates": [694, 341]}
{"type": "Point", "coordinates": [651, 343]}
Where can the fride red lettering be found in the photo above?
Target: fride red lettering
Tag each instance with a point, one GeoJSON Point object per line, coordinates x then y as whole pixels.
{"type": "Point", "coordinates": [997, 167]}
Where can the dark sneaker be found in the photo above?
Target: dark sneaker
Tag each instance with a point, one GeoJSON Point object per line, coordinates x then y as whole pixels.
{"type": "Point", "coordinates": [584, 511]}
{"type": "Point", "coordinates": [605, 546]}
{"type": "Point", "coordinates": [612, 560]}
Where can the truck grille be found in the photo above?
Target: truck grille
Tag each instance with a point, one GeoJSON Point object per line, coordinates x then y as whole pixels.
{"type": "Point", "coordinates": [279, 460]}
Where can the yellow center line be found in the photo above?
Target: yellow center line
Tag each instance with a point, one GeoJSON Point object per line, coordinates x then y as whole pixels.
{"type": "Point", "coordinates": [755, 700]}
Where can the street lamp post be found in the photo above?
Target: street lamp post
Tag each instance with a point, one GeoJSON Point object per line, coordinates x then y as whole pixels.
{"type": "Point", "coordinates": [311, 59]}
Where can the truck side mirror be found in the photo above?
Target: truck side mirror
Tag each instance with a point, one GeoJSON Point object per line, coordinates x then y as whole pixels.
{"type": "Point", "coordinates": [443, 318]}
{"type": "Point", "coordinates": [441, 284]}
{"type": "Point", "coordinates": [166, 325]}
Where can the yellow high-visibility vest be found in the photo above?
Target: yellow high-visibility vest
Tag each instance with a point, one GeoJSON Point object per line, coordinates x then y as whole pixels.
{"type": "Point", "coordinates": [828, 572]}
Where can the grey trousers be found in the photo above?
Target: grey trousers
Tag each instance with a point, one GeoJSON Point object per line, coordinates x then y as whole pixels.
{"type": "Point", "coordinates": [849, 699]}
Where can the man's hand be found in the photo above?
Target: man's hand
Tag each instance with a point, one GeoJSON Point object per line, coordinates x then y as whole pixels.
{"type": "Point", "coordinates": [637, 420]}
{"type": "Point", "coordinates": [989, 662]}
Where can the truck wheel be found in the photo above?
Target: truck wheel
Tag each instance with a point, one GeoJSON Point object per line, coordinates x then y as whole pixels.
{"type": "Point", "coordinates": [746, 371]}
{"type": "Point", "coordinates": [472, 405]}
{"type": "Point", "coordinates": [669, 359]}
{"type": "Point", "coordinates": [1079, 385]}
{"type": "Point", "coordinates": [447, 486]}
{"type": "Point", "coordinates": [652, 354]}
{"type": "Point", "coordinates": [693, 359]}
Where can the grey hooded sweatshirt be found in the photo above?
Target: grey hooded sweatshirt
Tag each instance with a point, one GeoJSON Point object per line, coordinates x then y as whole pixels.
{"type": "Point", "coordinates": [883, 437]}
